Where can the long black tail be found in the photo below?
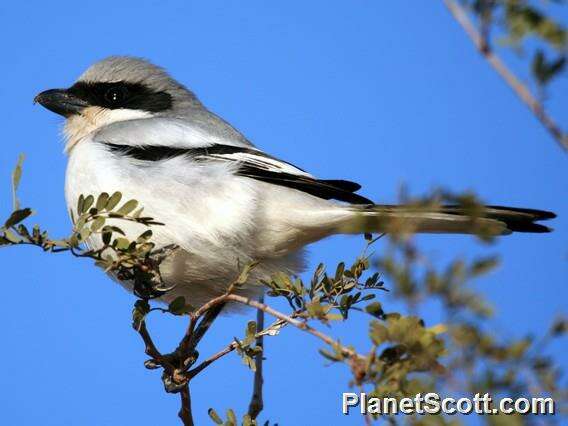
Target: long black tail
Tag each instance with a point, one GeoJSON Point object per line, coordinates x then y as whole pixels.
{"type": "Point", "coordinates": [495, 220]}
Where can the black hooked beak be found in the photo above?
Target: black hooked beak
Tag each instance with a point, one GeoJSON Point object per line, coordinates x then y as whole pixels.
{"type": "Point", "coordinates": [61, 101]}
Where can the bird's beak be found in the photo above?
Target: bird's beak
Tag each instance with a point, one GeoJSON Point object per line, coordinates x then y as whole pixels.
{"type": "Point", "coordinates": [61, 101]}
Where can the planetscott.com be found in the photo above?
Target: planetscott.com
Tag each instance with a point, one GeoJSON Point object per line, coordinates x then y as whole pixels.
{"type": "Point", "coordinates": [432, 403]}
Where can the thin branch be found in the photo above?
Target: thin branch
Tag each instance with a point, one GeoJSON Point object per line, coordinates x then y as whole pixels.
{"type": "Point", "coordinates": [204, 324]}
{"type": "Point", "coordinates": [511, 79]}
{"type": "Point", "coordinates": [296, 323]}
{"type": "Point", "coordinates": [150, 347]}
{"type": "Point", "coordinates": [257, 404]}
{"type": "Point", "coordinates": [271, 330]}
{"type": "Point", "coordinates": [228, 349]}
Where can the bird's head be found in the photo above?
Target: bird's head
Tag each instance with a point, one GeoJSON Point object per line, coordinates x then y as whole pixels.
{"type": "Point", "coordinates": [117, 88]}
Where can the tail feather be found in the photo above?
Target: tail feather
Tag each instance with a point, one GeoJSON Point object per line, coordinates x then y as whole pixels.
{"type": "Point", "coordinates": [492, 220]}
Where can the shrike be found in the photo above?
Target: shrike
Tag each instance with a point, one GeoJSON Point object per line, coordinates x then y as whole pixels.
{"type": "Point", "coordinates": [132, 128]}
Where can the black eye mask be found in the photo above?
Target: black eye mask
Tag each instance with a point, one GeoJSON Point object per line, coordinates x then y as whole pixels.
{"type": "Point", "coordinates": [122, 95]}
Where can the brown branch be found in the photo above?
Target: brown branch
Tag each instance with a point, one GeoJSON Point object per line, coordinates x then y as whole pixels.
{"type": "Point", "coordinates": [150, 348]}
{"type": "Point", "coordinates": [230, 348]}
{"type": "Point", "coordinates": [506, 74]}
{"type": "Point", "coordinates": [296, 323]}
{"type": "Point", "coordinates": [256, 403]}
{"type": "Point", "coordinates": [204, 324]}
{"type": "Point", "coordinates": [185, 413]}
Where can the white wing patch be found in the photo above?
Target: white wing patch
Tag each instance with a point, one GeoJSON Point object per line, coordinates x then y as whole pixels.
{"type": "Point", "coordinates": [260, 161]}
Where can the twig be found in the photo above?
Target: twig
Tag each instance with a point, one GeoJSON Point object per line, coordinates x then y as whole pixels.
{"type": "Point", "coordinates": [230, 348]}
{"type": "Point", "coordinates": [185, 411]}
{"type": "Point", "coordinates": [511, 79]}
{"type": "Point", "coordinates": [296, 323]}
{"type": "Point", "coordinates": [150, 347]}
{"type": "Point", "coordinates": [204, 324]}
{"type": "Point", "coordinates": [257, 404]}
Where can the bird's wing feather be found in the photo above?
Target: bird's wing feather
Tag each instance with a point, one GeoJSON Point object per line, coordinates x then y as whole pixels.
{"type": "Point", "coordinates": [250, 162]}
{"type": "Point", "coordinates": [166, 132]}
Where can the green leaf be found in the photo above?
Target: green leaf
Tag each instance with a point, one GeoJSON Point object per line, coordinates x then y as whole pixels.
{"type": "Point", "coordinates": [250, 333]}
{"type": "Point", "coordinates": [102, 200]}
{"type": "Point", "coordinates": [178, 306]}
{"type": "Point", "coordinates": [544, 70]}
{"type": "Point", "coordinates": [107, 236]}
{"type": "Point", "coordinates": [17, 216]}
{"type": "Point", "coordinates": [127, 207]}
{"type": "Point", "coordinates": [214, 416]}
{"type": "Point", "coordinates": [80, 203]}
{"type": "Point", "coordinates": [121, 243]}
{"type": "Point", "coordinates": [375, 309]}
{"type": "Point", "coordinates": [97, 223]}
{"type": "Point", "coordinates": [144, 236]}
{"type": "Point", "coordinates": [245, 272]}
{"type": "Point", "coordinates": [16, 177]}
{"type": "Point", "coordinates": [247, 420]}
{"type": "Point", "coordinates": [330, 355]}
{"type": "Point", "coordinates": [483, 266]}
{"type": "Point", "coordinates": [87, 203]}
{"type": "Point", "coordinates": [12, 237]}
{"type": "Point", "coordinates": [84, 234]}
{"type": "Point", "coordinates": [139, 312]}
{"type": "Point", "coordinates": [111, 228]}
{"type": "Point", "coordinates": [231, 417]}
{"type": "Point", "coordinates": [113, 201]}
{"type": "Point", "coordinates": [379, 333]}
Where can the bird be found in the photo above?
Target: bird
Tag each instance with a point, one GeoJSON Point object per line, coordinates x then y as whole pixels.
{"type": "Point", "coordinates": [131, 127]}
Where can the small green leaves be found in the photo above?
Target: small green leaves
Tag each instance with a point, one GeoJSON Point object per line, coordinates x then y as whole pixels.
{"type": "Point", "coordinates": [244, 347]}
{"type": "Point", "coordinates": [232, 419]}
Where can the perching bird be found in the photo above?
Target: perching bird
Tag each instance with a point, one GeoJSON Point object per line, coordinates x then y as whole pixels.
{"type": "Point", "coordinates": [130, 127]}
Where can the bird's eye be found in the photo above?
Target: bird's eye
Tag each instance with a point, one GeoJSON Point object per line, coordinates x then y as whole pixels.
{"type": "Point", "coordinates": [115, 95]}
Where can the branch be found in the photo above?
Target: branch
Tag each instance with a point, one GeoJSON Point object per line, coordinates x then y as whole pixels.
{"type": "Point", "coordinates": [506, 74]}
{"type": "Point", "coordinates": [350, 353]}
{"type": "Point", "coordinates": [150, 348]}
{"type": "Point", "coordinates": [185, 411]}
{"type": "Point", "coordinates": [257, 404]}
{"type": "Point", "coordinates": [271, 330]}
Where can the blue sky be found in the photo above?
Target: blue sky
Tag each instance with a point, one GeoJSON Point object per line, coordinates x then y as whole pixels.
{"type": "Point", "coordinates": [382, 93]}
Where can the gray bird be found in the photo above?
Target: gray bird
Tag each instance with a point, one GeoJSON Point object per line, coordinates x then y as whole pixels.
{"type": "Point", "coordinates": [132, 128]}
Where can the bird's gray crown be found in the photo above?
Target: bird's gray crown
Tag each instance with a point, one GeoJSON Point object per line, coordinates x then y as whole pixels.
{"type": "Point", "coordinates": [129, 69]}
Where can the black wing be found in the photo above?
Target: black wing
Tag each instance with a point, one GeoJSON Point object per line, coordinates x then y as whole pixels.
{"type": "Point", "coordinates": [253, 164]}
